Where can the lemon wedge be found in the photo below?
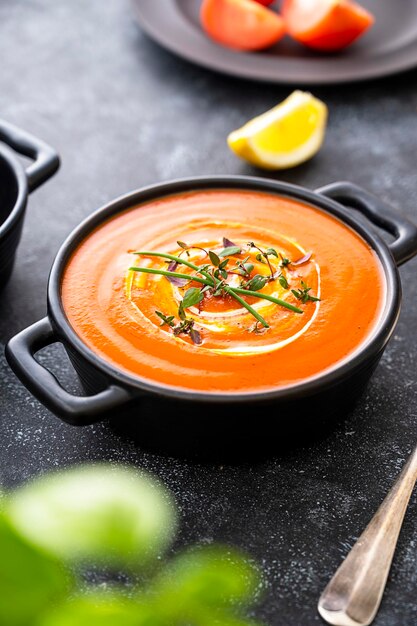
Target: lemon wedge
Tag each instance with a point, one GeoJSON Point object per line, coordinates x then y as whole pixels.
{"type": "Point", "coordinates": [285, 136]}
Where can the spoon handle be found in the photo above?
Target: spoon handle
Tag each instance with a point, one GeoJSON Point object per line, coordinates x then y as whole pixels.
{"type": "Point", "coordinates": [353, 595]}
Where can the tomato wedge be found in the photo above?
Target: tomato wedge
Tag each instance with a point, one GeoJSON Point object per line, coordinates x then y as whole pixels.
{"type": "Point", "coordinates": [326, 24]}
{"type": "Point", "coordinates": [241, 24]}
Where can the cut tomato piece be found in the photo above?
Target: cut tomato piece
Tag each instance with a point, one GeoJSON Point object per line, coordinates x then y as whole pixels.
{"type": "Point", "coordinates": [326, 24]}
{"type": "Point", "coordinates": [266, 3]}
{"type": "Point", "coordinates": [241, 24]}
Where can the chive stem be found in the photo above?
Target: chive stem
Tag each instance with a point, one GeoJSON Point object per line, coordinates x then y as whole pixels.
{"type": "Point", "coordinates": [247, 306]}
{"type": "Point", "coordinates": [149, 270]}
{"type": "Point", "coordinates": [265, 296]}
{"type": "Point", "coordinates": [178, 260]}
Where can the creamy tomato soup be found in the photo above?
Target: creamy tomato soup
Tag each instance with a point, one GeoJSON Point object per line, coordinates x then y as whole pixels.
{"type": "Point", "coordinates": [278, 247]}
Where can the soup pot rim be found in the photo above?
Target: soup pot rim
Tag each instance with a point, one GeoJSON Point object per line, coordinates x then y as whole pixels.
{"type": "Point", "coordinates": [373, 345]}
{"type": "Point", "coordinates": [18, 172]}
{"type": "Point", "coordinates": [16, 141]}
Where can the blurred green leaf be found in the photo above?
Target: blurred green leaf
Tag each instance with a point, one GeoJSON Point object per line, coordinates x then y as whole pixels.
{"type": "Point", "coordinates": [100, 610]}
{"type": "Point", "coordinates": [104, 609]}
{"type": "Point", "coordinates": [101, 513]}
{"type": "Point", "coordinates": [205, 582]}
{"type": "Point", "coordinates": [111, 515]}
{"type": "Point", "coordinates": [224, 620]}
{"type": "Point", "coordinates": [29, 579]}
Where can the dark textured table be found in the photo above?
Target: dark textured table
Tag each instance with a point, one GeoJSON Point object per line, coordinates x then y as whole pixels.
{"type": "Point", "coordinates": [123, 113]}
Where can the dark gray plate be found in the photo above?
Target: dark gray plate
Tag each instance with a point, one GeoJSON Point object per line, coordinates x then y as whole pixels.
{"type": "Point", "coordinates": [388, 48]}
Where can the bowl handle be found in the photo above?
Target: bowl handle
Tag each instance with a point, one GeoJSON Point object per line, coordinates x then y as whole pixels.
{"type": "Point", "coordinates": [405, 232]}
{"type": "Point", "coordinates": [46, 159]}
{"type": "Point", "coordinates": [76, 410]}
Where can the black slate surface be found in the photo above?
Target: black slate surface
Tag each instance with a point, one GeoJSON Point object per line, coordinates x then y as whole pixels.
{"type": "Point", "coordinates": [122, 114]}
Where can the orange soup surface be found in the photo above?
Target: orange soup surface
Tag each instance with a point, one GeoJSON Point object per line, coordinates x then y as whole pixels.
{"type": "Point", "coordinates": [313, 262]}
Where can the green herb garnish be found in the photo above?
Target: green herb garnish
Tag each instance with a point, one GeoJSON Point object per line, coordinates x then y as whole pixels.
{"type": "Point", "coordinates": [191, 297]}
{"type": "Point", "coordinates": [213, 278]}
{"type": "Point", "coordinates": [303, 294]}
{"type": "Point", "coordinates": [230, 251]}
{"type": "Point", "coordinates": [214, 258]}
{"type": "Point", "coordinates": [167, 320]}
{"type": "Point", "coordinates": [256, 283]}
{"type": "Point", "coordinates": [283, 281]}
{"type": "Point", "coordinates": [263, 255]}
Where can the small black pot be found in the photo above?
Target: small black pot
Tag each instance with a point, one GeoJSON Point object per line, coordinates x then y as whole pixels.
{"type": "Point", "coordinates": [16, 184]}
{"type": "Point", "coordinates": [180, 421]}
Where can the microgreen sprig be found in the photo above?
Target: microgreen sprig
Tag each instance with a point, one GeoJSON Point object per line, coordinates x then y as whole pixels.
{"type": "Point", "coordinates": [263, 256]}
{"type": "Point", "coordinates": [191, 297]}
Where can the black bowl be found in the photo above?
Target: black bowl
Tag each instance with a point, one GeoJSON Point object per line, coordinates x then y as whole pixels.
{"type": "Point", "coordinates": [177, 420]}
{"type": "Point", "coordinates": [16, 184]}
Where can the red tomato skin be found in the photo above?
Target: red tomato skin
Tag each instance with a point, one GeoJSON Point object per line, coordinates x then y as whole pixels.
{"type": "Point", "coordinates": [243, 25]}
{"type": "Point", "coordinates": [337, 25]}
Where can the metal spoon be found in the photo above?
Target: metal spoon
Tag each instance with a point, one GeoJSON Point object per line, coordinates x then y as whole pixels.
{"type": "Point", "coordinates": [353, 595]}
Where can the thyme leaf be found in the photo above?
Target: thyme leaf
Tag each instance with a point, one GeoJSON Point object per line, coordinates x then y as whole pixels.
{"type": "Point", "coordinates": [271, 252]}
{"type": "Point", "coordinates": [167, 320]}
{"type": "Point", "coordinates": [214, 258]}
{"type": "Point", "coordinates": [303, 294]}
{"type": "Point", "coordinates": [256, 283]}
{"type": "Point", "coordinates": [230, 251]}
{"type": "Point", "coordinates": [262, 256]}
{"type": "Point", "coordinates": [185, 326]}
{"type": "Point", "coordinates": [283, 281]}
{"type": "Point", "coordinates": [191, 297]}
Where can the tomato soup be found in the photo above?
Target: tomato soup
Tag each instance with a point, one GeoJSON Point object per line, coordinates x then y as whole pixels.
{"type": "Point", "coordinates": [271, 291]}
